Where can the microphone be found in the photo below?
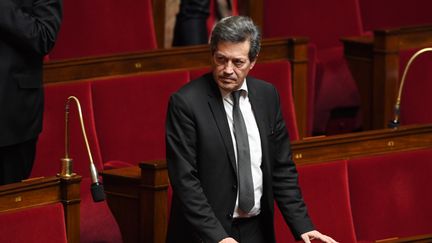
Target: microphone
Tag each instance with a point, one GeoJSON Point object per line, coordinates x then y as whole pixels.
{"type": "Point", "coordinates": [97, 190]}
{"type": "Point", "coordinates": [395, 122]}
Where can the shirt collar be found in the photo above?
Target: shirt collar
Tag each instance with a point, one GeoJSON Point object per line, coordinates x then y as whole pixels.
{"type": "Point", "coordinates": [227, 95]}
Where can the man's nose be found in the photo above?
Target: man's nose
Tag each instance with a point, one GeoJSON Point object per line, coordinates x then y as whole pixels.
{"type": "Point", "coordinates": [229, 67]}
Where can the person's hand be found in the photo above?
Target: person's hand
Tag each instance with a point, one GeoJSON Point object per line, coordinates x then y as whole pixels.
{"type": "Point", "coordinates": [315, 235]}
{"type": "Point", "coordinates": [228, 240]}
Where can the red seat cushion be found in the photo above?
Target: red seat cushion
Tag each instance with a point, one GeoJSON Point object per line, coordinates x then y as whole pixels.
{"type": "Point", "coordinates": [325, 191]}
{"type": "Point", "coordinates": [45, 223]}
{"type": "Point", "coordinates": [97, 223]}
{"type": "Point", "coordinates": [130, 115]}
{"type": "Point", "coordinates": [390, 194]}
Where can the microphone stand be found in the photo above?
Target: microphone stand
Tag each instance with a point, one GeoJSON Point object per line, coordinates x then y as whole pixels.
{"type": "Point", "coordinates": [395, 122]}
{"type": "Point", "coordinates": [97, 189]}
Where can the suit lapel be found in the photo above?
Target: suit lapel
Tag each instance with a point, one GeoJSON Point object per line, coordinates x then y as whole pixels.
{"type": "Point", "coordinates": [218, 111]}
{"type": "Point", "coordinates": [259, 108]}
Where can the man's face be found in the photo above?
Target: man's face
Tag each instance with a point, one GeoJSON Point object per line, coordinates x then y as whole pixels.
{"type": "Point", "coordinates": [231, 64]}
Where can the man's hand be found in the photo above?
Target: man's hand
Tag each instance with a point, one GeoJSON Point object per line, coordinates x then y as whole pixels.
{"type": "Point", "coordinates": [228, 240]}
{"type": "Point", "coordinates": [315, 235]}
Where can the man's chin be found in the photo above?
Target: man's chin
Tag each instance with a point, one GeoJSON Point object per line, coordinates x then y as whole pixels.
{"type": "Point", "coordinates": [228, 87]}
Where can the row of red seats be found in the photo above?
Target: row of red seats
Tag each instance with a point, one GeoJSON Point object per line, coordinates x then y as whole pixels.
{"type": "Point", "coordinates": [368, 198]}
{"type": "Point", "coordinates": [125, 123]}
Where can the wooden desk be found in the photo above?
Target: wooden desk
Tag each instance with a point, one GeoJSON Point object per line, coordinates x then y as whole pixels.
{"type": "Point", "coordinates": [44, 191]}
{"type": "Point", "coordinates": [374, 64]}
{"type": "Point", "coordinates": [137, 197]}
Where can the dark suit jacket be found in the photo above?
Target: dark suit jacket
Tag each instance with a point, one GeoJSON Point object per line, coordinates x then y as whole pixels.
{"type": "Point", "coordinates": [28, 29]}
{"type": "Point", "coordinates": [201, 163]}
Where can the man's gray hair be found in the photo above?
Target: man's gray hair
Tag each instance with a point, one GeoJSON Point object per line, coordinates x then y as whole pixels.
{"type": "Point", "coordinates": [237, 29]}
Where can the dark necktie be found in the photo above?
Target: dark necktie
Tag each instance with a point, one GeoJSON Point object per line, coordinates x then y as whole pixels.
{"type": "Point", "coordinates": [244, 173]}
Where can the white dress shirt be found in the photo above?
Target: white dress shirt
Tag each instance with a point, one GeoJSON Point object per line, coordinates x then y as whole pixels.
{"type": "Point", "coordinates": [254, 146]}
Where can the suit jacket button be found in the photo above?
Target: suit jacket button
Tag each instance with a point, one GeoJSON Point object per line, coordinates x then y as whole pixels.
{"type": "Point", "coordinates": [234, 187]}
{"type": "Point", "coordinates": [230, 216]}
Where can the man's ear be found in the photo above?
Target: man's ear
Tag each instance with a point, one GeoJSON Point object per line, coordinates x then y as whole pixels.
{"type": "Point", "coordinates": [253, 63]}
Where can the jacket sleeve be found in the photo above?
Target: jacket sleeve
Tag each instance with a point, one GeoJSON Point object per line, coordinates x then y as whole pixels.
{"type": "Point", "coordinates": [181, 142]}
{"type": "Point", "coordinates": [285, 180]}
{"type": "Point", "coordinates": [33, 27]}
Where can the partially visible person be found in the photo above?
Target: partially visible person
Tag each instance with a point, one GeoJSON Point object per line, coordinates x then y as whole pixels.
{"type": "Point", "coordinates": [191, 21]}
{"type": "Point", "coordinates": [228, 151]}
{"type": "Point", "coordinates": [28, 30]}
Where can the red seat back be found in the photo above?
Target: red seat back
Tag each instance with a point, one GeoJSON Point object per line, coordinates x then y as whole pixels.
{"type": "Point", "coordinates": [324, 22]}
{"type": "Point", "coordinates": [45, 223]}
{"type": "Point", "coordinates": [325, 191]}
{"type": "Point", "coordinates": [130, 115]}
{"type": "Point", "coordinates": [101, 27]}
{"type": "Point", "coordinates": [394, 14]}
{"type": "Point", "coordinates": [279, 74]}
{"type": "Point", "coordinates": [51, 144]}
{"type": "Point", "coordinates": [390, 194]}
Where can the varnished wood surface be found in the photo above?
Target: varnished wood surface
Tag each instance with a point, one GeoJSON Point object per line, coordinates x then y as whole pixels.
{"type": "Point", "coordinates": [137, 196]}
{"type": "Point", "coordinates": [346, 146]}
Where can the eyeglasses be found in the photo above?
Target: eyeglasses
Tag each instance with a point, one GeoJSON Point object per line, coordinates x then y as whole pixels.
{"type": "Point", "coordinates": [221, 60]}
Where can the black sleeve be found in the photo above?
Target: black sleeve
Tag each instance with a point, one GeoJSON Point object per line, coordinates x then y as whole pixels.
{"type": "Point", "coordinates": [33, 27]}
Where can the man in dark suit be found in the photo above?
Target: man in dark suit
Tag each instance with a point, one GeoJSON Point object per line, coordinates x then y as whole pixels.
{"type": "Point", "coordinates": [28, 29]}
{"type": "Point", "coordinates": [228, 150]}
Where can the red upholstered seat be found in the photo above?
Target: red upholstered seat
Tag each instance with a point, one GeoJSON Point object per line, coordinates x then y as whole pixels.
{"type": "Point", "coordinates": [279, 74]}
{"type": "Point", "coordinates": [101, 27]}
{"type": "Point", "coordinates": [322, 22]}
{"type": "Point", "coordinates": [51, 144]}
{"type": "Point", "coordinates": [325, 190]}
{"type": "Point", "coordinates": [416, 98]}
{"type": "Point", "coordinates": [130, 115]}
{"type": "Point", "coordinates": [390, 194]}
{"type": "Point", "coordinates": [45, 223]}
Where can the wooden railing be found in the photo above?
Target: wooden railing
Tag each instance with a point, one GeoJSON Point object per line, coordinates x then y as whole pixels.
{"type": "Point", "coordinates": [181, 58]}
